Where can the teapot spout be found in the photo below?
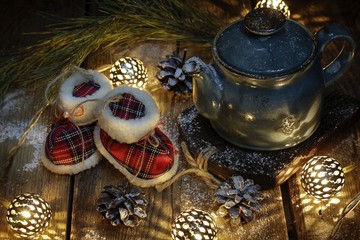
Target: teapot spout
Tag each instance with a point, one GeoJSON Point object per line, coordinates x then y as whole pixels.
{"type": "Point", "coordinates": [207, 87]}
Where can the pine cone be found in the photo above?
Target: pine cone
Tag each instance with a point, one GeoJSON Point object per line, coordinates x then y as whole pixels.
{"type": "Point", "coordinates": [238, 199]}
{"type": "Point", "coordinates": [122, 203]}
{"type": "Point", "coordinates": [172, 76]}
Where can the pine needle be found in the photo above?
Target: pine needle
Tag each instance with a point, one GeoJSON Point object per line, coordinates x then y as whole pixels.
{"type": "Point", "coordinates": [124, 22]}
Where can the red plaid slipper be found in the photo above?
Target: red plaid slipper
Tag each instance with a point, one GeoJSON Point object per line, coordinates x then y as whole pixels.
{"type": "Point", "coordinates": [80, 87]}
{"type": "Point", "coordinates": [64, 146]}
{"type": "Point", "coordinates": [125, 134]}
{"type": "Point", "coordinates": [128, 114]}
{"type": "Point", "coordinates": [145, 163]}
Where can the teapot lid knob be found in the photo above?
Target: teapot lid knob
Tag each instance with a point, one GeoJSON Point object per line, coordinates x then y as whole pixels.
{"type": "Point", "coordinates": [264, 21]}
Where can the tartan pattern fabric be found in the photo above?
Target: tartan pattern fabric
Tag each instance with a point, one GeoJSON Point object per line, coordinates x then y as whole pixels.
{"type": "Point", "coordinates": [85, 89]}
{"type": "Point", "coordinates": [152, 161]}
{"type": "Point", "coordinates": [63, 144]}
{"type": "Point", "coordinates": [128, 107]}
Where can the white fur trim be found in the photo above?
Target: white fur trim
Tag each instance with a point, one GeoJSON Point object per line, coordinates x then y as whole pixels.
{"type": "Point", "coordinates": [132, 130]}
{"type": "Point", "coordinates": [144, 183]}
{"type": "Point", "coordinates": [68, 102]}
{"type": "Point", "coordinates": [70, 169]}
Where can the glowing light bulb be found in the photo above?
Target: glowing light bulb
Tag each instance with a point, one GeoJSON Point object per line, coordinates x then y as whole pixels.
{"type": "Point", "coordinates": [28, 215]}
{"type": "Point", "coordinates": [322, 177]}
{"type": "Point", "coordinates": [129, 71]}
{"type": "Point", "coordinates": [194, 224]}
{"type": "Point", "coordinates": [276, 4]}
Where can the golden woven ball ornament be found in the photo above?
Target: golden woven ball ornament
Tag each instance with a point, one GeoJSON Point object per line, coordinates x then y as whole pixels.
{"type": "Point", "coordinates": [276, 4]}
{"type": "Point", "coordinates": [28, 215]}
{"type": "Point", "coordinates": [194, 224]}
{"type": "Point", "coordinates": [322, 177]}
{"type": "Point", "coordinates": [129, 71]}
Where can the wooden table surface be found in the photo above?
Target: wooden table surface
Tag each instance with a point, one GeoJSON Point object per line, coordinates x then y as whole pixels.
{"type": "Point", "coordinates": [287, 212]}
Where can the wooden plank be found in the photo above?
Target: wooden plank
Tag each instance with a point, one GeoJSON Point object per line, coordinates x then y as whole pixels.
{"type": "Point", "coordinates": [269, 223]}
{"type": "Point", "coordinates": [87, 223]}
{"type": "Point", "coordinates": [187, 192]}
{"type": "Point", "coordinates": [165, 206]}
{"type": "Point", "coordinates": [343, 146]}
{"type": "Point", "coordinates": [25, 173]}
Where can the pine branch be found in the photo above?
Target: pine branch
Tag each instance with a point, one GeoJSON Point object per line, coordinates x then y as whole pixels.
{"type": "Point", "coordinates": [125, 22]}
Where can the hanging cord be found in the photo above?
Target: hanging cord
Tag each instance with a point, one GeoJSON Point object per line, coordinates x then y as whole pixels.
{"type": "Point", "coordinates": [349, 168]}
{"type": "Point", "coordinates": [73, 113]}
{"type": "Point", "coordinates": [141, 163]}
{"type": "Point", "coordinates": [153, 140]}
{"type": "Point", "coordinates": [346, 210]}
{"type": "Point", "coordinates": [150, 138]}
{"type": "Point", "coordinates": [40, 112]}
{"type": "Point", "coordinates": [198, 167]}
{"type": "Point", "coordinates": [72, 117]}
{"type": "Point", "coordinates": [22, 139]}
{"type": "Point", "coordinates": [48, 101]}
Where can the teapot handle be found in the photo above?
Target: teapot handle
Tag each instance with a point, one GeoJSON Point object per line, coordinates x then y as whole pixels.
{"type": "Point", "coordinates": [343, 61]}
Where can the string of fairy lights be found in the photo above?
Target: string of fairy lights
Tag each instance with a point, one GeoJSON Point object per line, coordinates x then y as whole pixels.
{"type": "Point", "coordinates": [28, 215]}
{"type": "Point", "coordinates": [321, 177]}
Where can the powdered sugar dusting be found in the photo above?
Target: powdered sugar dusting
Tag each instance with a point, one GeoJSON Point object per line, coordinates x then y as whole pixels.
{"type": "Point", "coordinates": [168, 126]}
{"type": "Point", "coordinates": [12, 128]}
{"type": "Point", "coordinates": [193, 128]}
{"type": "Point", "coordinates": [195, 193]}
{"type": "Point", "coordinates": [188, 121]}
{"type": "Point", "coordinates": [36, 138]}
{"type": "Point", "coordinates": [13, 102]}
{"type": "Point", "coordinates": [91, 234]}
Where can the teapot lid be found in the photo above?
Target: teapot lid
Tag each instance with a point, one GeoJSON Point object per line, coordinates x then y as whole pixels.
{"type": "Point", "coordinates": [264, 44]}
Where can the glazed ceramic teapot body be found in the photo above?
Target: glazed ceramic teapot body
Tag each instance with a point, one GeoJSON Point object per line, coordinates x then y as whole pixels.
{"type": "Point", "coordinates": [265, 92]}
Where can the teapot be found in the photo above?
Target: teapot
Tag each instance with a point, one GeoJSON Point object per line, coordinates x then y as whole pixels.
{"type": "Point", "coordinates": [264, 89]}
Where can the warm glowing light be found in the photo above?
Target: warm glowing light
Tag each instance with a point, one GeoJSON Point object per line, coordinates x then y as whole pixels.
{"type": "Point", "coordinates": [194, 224]}
{"type": "Point", "coordinates": [28, 215]}
{"type": "Point", "coordinates": [308, 208]}
{"type": "Point", "coordinates": [322, 177]}
{"type": "Point", "coordinates": [335, 201]}
{"type": "Point", "coordinates": [249, 117]}
{"type": "Point", "coordinates": [276, 4]}
{"type": "Point", "coordinates": [129, 71]}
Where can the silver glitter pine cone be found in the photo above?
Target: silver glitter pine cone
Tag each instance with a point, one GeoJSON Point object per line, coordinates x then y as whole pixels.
{"type": "Point", "coordinates": [122, 204]}
{"type": "Point", "coordinates": [172, 76]}
{"type": "Point", "coordinates": [238, 199]}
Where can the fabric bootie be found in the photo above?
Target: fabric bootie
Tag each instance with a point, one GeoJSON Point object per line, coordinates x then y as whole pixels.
{"type": "Point", "coordinates": [128, 137]}
{"type": "Point", "coordinates": [79, 93]}
{"type": "Point", "coordinates": [70, 149]}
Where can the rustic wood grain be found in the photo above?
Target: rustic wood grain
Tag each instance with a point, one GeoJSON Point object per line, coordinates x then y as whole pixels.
{"type": "Point", "coordinates": [16, 176]}
{"type": "Point", "coordinates": [185, 193]}
{"type": "Point", "coordinates": [284, 210]}
{"type": "Point", "coordinates": [86, 222]}
{"type": "Point", "coordinates": [343, 146]}
{"type": "Point", "coordinates": [25, 173]}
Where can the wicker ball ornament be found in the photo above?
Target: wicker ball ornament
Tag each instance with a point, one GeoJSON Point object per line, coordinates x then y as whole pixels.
{"type": "Point", "coordinates": [129, 71]}
{"type": "Point", "coordinates": [28, 215]}
{"type": "Point", "coordinates": [276, 4]}
{"type": "Point", "coordinates": [194, 224]}
{"type": "Point", "coordinates": [322, 177]}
